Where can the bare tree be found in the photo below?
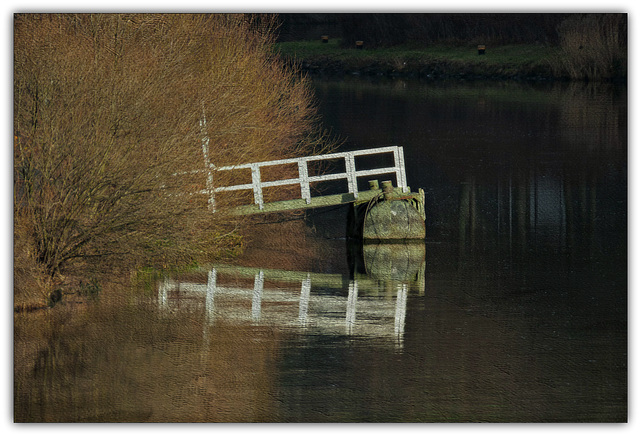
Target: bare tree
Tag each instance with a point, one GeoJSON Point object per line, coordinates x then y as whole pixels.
{"type": "Point", "coordinates": [108, 112]}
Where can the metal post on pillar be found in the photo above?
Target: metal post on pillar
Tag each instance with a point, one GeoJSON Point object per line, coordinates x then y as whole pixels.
{"type": "Point", "coordinates": [387, 189]}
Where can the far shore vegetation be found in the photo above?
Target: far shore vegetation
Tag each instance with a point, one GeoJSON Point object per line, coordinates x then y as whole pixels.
{"type": "Point", "coordinates": [589, 47]}
{"type": "Point", "coordinates": [433, 61]}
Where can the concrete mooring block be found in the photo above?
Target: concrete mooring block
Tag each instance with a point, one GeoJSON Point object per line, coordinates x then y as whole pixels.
{"type": "Point", "coordinates": [390, 216]}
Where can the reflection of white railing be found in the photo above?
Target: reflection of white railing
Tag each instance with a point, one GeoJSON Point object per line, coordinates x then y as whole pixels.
{"type": "Point", "coordinates": [351, 174]}
{"type": "Point", "coordinates": [361, 315]}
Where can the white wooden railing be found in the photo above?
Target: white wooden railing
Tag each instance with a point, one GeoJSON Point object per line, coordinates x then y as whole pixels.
{"type": "Point", "coordinates": [351, 174]}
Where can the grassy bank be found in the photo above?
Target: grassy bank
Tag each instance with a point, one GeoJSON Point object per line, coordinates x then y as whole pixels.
{"type": "Point", "coordinates": [518, 61]}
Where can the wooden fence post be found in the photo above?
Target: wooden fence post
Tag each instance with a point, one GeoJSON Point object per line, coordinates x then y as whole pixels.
{"type": "Point", "coordinates": [303, 174]}
{"type": "Point", "coordinates": [257, 187]}
{"type": "Point", "coordinates": [400, 171]}
{"type": "Point", "coordinates": [352, 181]}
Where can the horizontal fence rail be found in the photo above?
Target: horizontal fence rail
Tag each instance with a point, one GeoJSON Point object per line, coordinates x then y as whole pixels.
{"type": "Point", "coordinates": [351, 174]}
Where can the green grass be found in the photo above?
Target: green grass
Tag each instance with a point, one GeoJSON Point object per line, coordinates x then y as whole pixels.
{"type": "Point", "coordinates": [507, 59]}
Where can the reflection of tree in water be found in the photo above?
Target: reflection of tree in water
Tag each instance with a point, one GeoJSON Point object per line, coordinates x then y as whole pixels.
{"type": "Point", "coordinates": [125, 364]}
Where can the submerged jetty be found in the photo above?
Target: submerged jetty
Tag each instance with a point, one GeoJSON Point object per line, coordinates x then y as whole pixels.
{"type": "Point", "coordinates": [381, 213]}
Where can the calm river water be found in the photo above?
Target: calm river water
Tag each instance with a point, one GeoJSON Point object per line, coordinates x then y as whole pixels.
{"type": "Point", "coordinates": [514, 309]}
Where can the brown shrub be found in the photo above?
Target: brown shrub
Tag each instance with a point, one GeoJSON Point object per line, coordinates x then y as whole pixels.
{"type": "Point", "coordinates": [31, 284]}
{"type": "Point", "coordinates": [109, 132]}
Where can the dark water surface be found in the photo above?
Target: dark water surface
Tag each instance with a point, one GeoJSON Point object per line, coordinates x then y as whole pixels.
{"type": "Point", "coordinates": [514, 309]}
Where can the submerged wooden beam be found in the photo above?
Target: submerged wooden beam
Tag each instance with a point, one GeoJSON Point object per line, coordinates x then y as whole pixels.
{"type": "Point", "coordinates": [322, 201]}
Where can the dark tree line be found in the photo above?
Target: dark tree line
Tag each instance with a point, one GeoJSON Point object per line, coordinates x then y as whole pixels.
{"type": "Point", "coordinates": [381, 30]}
{"type": "Point", "coordinates": [389, 29]}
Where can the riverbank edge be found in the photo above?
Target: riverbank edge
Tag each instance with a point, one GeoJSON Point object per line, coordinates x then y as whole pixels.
{"type": "Point", "coordinates": [433, 69]}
